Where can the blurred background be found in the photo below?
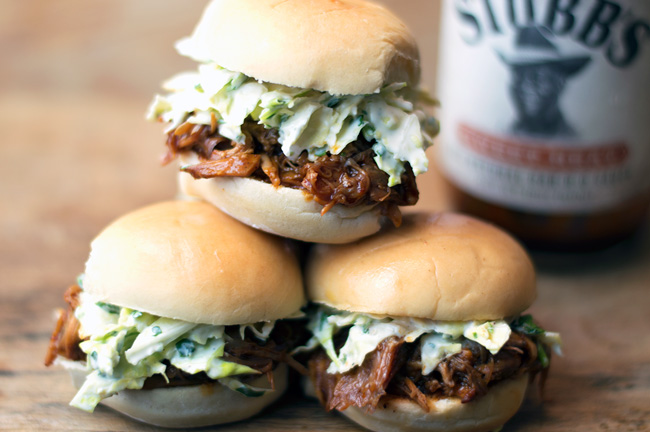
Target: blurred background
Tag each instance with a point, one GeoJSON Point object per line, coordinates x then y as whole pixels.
{"type": "Point", "coordinates": [76, 78]}
{"type": "Point", "coordinates": [75, 82]}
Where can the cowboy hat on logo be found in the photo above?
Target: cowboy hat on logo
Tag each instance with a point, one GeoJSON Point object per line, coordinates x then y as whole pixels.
{"type": "Point", "coordinates": [532, 47]}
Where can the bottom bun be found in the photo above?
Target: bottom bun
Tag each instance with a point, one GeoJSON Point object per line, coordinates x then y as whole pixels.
{"type": "Point", "coordinates": [190, 406]}
{"type": "Point", "coordinates": [487, 413]}
{"type": "Point", "coordinates": [282, 211]}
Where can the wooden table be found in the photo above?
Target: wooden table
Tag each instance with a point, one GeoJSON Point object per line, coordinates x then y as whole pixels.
{"type": "Point", "coordinates": [75, 80]}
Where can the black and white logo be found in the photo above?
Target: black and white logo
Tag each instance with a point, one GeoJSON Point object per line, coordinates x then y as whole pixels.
{"type": "Point", "coordinates": [539, 76]}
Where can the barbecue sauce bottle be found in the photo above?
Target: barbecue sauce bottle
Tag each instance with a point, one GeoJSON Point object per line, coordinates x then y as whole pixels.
{"type": "Point", "coordinates": [546, 116]}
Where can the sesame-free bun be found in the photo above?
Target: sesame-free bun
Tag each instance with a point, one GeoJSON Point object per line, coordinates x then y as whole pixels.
{"type": "Point", "coordinates": [337, 46]}
{"type": "Point", "coordinates": [282, 210]}
{"type": "Point", "coordinates": [485, 414]}
{"type": "Point", "coordinates": [187, 406]}
{"type": "Point", "coordinates": [189, 261]}
{"type": "Point", "coordinates": [442, 266]}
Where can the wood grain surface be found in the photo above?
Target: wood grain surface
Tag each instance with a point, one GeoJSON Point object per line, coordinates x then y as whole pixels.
{"type": "Point", "coordinates": [75, 80]}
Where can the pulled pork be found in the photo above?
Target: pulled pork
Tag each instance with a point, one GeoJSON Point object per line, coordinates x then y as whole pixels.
{"type": "Point", "coordinates": [65, 337]}
{"type": "Point", "coordinates": [362, 386]}
{"type": "Point", "coordinates": [350, 178]}
{"type": "Point", "coordinates": [394, 370]}
{"type": "Point", "coordinates": [261, 356]}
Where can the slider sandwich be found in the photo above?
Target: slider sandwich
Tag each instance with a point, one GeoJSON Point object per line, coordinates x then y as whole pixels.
{"type": "Point", "coordinates": [421, 328]}
{"type": "Point", "coordinates": [304, 118]}
{"type": "Point", "coordinates": [177, 320]}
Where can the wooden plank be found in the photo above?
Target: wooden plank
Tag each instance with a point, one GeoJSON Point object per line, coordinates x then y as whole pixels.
{"type": "Point", "coordinates": [75, 81]}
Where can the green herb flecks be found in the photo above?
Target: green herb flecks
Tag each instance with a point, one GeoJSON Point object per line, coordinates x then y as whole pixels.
{"type": "Point", "coordinates": [107, 336]}
{"type": "Point", "coordinates": [525, 324]}
{"type": "Point", "coordinates": [246, 391]}
{"type": "Point", "coordinates": [333, 102]}
{"type": "Point", "coordinates": [542, 356]}
{"type": "Point", "coordinates": [185, 347]}
{"type": "Point", "coordinates": [112, 309]}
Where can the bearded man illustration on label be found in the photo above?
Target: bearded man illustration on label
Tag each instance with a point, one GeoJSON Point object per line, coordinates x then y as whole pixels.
{"type": "Point", "coordinates": [539, 77]}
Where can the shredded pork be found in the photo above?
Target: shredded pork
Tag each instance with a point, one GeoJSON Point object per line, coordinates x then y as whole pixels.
{"type": "Point", "coordinates": [394, 370]}
{"type": "Point", "coordinates": [364, 385]}
{"type": "Point", "coordinates": [65, 337]}
{"type": "Point", "coordinates": [350, 178]}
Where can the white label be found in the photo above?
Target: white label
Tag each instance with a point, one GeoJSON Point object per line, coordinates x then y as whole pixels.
{"type": "Point", "coordinates": [546, 103]}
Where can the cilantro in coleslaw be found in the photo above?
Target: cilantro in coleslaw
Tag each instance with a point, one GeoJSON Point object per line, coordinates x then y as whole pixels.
{"type": "Point", "coordinates": [307, 120]}
{"type": "Point", "coordinates": [125, 346]}
{"type": "Point", "coordinates": [437, 339]}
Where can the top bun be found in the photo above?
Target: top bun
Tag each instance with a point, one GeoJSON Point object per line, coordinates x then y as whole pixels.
{"type": "Point", "coordinates": [189, 261]}
{"type": "Point", "coordinates": [336, 46]}
{"type": "Point", "coordinates": [444, 266]}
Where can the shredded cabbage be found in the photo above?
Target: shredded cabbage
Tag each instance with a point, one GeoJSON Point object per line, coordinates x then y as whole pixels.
{"type": "Point", "coordinates": [126, 346]}
{"type": "Point", "coordinates": [438, 339]}
{"type": "Point", "coordinates": [310, 120]}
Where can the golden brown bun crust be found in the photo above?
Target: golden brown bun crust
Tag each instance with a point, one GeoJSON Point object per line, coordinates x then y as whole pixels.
{"type": "Point", "coordinates": [189, 261]}
{"type": "Point", "coordinates": [282, 211]}
{"type": "Point", "coordinates": [484, 414]}
{"type": "Point", "coordinates": [337, 46]}
{"type": "Point", "coordinates": [185, 407]}
{"type": "Point", "coordinates": [438, 266]}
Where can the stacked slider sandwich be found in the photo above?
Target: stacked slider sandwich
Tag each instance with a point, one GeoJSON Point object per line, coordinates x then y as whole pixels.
{"type": "Point", "coordinates": [304, 118]}
{"type": "Point", "coordinates": [421, 328]}
{"type": "Point", "coordinates": [178, 318]}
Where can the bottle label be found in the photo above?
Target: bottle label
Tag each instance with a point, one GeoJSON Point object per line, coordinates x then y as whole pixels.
{"type": "Point", "coordinates": [546, 103]}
